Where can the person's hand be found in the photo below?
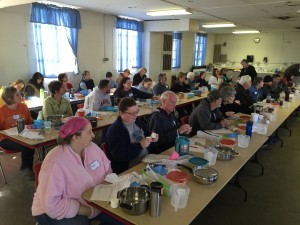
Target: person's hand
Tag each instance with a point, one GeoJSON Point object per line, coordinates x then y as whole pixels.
{"type": "Point", "coordinates": [237, 102]}
{"type": "Point", "coordinates": [225, 123]}
{"type": "Point", "coordinates": [156, 97]}
{"type": "Point", "coordinates": [229, 113]}
{"type": "Point", "coordinates": [145, 142]}
{"type": "Point", "coordinates": [185, 129]}
{"type": "Point", "coordinates": [84, 210]}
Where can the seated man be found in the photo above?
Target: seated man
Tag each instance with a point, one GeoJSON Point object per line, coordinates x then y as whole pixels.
{"type": "Point", "coordinates": [277, 87]}
{"type": "Point", "coordinates": [99, 97]}
{"type": "Point", "coordinates": [207, 116]}
{"type": "Point", "coordinates": [243, 94]}
{"type": "Point", "coordinates": [161, 86]}
{"type": "Point", "coordinates": [163, 122]}
{"type": "Point", "coordinates": [126, 137]}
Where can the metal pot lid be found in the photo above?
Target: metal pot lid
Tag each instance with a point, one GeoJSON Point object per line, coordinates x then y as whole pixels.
{"type": "Point", "coordinates": [205, 172]}
{"type": "Point", "coordinates": [198, 161]}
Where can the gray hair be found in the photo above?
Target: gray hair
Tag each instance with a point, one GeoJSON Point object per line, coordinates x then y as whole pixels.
{"type": "Point", "coordinates": [244, 79]}
{"type": "Point", "coordinates": [166, 95]}
{"type": "Point", "coordinates": [227, 91]}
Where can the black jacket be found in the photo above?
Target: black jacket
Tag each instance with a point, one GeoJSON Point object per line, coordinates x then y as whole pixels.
{"type": "Point", "coordinates": [180, 87]}
{"type": "Point", "coordinates": [249, 71]}
{"type": "Point", "coordinates": [89, 84]}
{"type": "Point", "coordinates": [120, 149]}
{"type": "Point", "coordinates": [229, 108]}
{"type": "Point", "coordinates": [132, 93]}
{"type": "Point", "coordinates": [137, 79]}
{"type": "Point", "coordinates": [244, 96]}
{"type": "Point", "coordinates": [166, 126]}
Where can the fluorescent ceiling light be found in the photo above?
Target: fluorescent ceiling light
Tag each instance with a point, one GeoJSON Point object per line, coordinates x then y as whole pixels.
{"type": "Point", "coordinates": [246, 32]}
{"type": "Point", "coordinates": [171, 12]}
{"type": "Point", "coordinates": [218, 25]}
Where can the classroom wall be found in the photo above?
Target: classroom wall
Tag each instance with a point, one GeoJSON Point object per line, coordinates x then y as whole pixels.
{"type": "Point", "coordinates": [281, 49]}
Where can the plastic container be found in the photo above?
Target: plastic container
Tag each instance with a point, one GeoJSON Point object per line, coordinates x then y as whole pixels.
{"type": "Point", "coordinates": [179, 196]}
{"type": "Point", "coordinates": [178, 177]}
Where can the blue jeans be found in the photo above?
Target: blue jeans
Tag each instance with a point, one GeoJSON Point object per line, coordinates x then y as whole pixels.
{"type": "Point", "coordinates": [44, 219]}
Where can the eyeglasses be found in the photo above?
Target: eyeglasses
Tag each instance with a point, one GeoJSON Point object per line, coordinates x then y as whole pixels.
{"type": "Point", "coordinates": [133, 113]}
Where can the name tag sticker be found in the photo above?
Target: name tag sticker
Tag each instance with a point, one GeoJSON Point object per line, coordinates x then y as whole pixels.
{"type": "Point", "coordinates": [94, 165]}
{"type": "Point", "coordinates": [15, 117]}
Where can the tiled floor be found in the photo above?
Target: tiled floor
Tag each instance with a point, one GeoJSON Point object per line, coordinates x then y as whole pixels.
{"type": "Point", "coordinates": [272, 199]}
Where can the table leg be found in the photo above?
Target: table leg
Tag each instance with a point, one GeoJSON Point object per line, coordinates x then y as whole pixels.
{"type": "Point", "coordinates": [284, 125]}
{"type": "Point", "coordinates": [237, 183]}
{"type": "Point", "coordinates": [256, 161]}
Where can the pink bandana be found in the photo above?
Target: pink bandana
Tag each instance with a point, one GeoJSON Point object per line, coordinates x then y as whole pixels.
{"type": "Point", "coordinates": [72, 126]}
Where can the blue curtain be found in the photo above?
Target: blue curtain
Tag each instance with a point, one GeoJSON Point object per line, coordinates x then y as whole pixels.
{"type": "Point", "coordinates": [58, 16]}
{"type": "Point", "coordinates": [176, 56]}
{"type": "Point", "coordinates": [200, 49]}
{"type": "Point", "coordinates": [128, 24]}
{"type": "Point", "coordinates": [129, 53]}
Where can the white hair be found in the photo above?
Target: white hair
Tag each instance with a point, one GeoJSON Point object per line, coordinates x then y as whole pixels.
{"type": "Point", "coordinates": [190, 75]}
{"type": "Point", "coordinates": [166, 95]}
{"type": "Point", "coordinates": [244, 79]}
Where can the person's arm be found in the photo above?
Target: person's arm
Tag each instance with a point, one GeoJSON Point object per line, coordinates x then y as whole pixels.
{"type": "Point", "coordinates": [56, 205]}
{"type": "Point", "coordinates": [119, 144]}
{"type": "Point", "coordinates": [139, 94]}
{"type": "Point", "coordinates": [157, 123]}
{"type": "Point", "coordinates": [83, 86]}
{"type": "Point", "coordinates": [47, 108]}
{"type": "Point", "coordinates": [69, 111]}
{"type": "Point", "coordinates": [203, 119]}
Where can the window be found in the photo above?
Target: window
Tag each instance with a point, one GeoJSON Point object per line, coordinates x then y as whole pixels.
{"type": "Point", "coordinates": [55, 31]}
{"type": "Point", "coordinates": [53, 51]}
{"type": "Point", "coordinates": [200, 49]}
{"type": "Point", "coordinates": [176, 50]}
{"type": "Point", "coordinates": [129, 43]}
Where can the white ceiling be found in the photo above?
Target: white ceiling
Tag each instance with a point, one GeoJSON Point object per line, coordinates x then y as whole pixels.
{"type": "Point", "coordinates": [261, 15]}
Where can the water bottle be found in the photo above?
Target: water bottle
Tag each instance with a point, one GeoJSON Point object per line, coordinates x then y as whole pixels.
{"type": "Point", "coordinates": [249, 125]}
{"type": "Point", "coordinates": [42, 93]}
{"type": "Point", "coordinates": [20, 125]}
{"type": "Point", "coordinates": [155, 199]}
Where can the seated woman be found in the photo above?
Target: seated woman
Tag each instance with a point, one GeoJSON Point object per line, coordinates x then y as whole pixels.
{"type": "Point", "coordinates": [35, 84]}
{"type": "Point", "coordinates": [192, 82]}
{"type": "Point", "coordinates": [139, 77]}
{"type": "Point", "coordinates": [243, 94]}
{"type": "Point", "coordinates": [256, 89]}
{"type": "Point", "coordinates": [229, 106]}
{"type": "Point", "coordinates": [86, 83]}
{"type": "Point", "coordinates": [223, 73]}
{"type": "Point", "coordinates": [181, 85]}
{"type": "Point", "coordinates": [215, 79]}
{"type": "Point", "coordinates": [58, 197]}
{"type": "Point", "coordinates": [201, 80]}
{"type": "Point", "coordinates": [19, 85]}
{"type": "Point", "coordinates": [9, 113]}
{"type": "Point", "coordinates": [63, 77]}
{"type": "Point", "coordinates": [56, 104]}
{"type": "Point", "coordinates": [125, 90]}
{"type": "Point", "coordinates": [126, 137]}
{"type": "Point", "coordinates": [145, 86]}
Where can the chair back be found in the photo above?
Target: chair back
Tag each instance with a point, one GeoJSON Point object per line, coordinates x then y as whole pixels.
{"type": "Point", "coordinates": [184, 120]}
{"type": "Point", "coordinates": [8, 151]}
{"type": "Point", "coordinates": [104, 148]}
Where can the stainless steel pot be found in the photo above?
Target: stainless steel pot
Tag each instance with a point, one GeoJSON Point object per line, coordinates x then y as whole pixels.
{"type": "Point", "coordinates": [225, 153]}
{"type": "Point", "coordinates": [134, 200]}
{"type": "Point", "coordinates": [203, 175]}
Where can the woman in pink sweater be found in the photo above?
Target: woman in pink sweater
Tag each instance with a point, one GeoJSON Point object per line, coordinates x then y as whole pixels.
{"type": "Point", "coordinates": [71, 168]}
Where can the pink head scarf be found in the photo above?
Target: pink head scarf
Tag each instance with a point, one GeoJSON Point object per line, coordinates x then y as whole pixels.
{"type": "Point", "coordinates": [72, 126]}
